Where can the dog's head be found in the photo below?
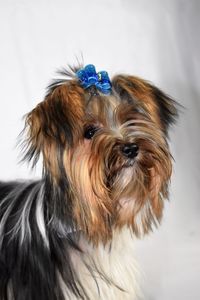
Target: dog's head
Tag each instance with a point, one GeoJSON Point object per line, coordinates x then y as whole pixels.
{"type": "Point", "coordinates": [104, 144]}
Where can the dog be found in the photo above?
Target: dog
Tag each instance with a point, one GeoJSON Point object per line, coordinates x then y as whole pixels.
{"type": "Point", "coordinates": [106, 172]}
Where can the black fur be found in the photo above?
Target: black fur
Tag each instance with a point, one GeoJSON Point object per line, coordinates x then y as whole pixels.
{"type": "Point", "coordinates": [167, 108]}
{"type": "Point", "coordinates": [30, 264]}
{"type": "Point", "coordinates": [67, 74]}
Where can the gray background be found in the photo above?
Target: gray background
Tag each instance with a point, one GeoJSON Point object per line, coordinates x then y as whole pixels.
{"type": "Point", "coordinates": [157, 40]}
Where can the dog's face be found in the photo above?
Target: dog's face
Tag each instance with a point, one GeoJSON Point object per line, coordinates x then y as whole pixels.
{"type": "Point", "coordinates": [109, 150]}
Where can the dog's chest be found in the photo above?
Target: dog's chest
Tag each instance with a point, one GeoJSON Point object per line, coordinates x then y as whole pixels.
{"type": "Point", "coordinates": [108, 272]}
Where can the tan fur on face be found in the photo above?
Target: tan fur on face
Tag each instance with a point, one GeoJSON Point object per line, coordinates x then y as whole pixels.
{"type": "Point", "coordinates": [136, 193]}
{"type": "Point", "coordinates": [107, 190]}
{"type": "Point", "coordinates": [145, 182]}
{"type": "Point", "coordinates": [91, 203]}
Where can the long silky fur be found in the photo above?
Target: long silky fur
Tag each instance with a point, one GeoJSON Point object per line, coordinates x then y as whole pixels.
{"type": "Point", "coordinates": [36, 238]}
{"type": "Point", "coordinates": [71, 223]}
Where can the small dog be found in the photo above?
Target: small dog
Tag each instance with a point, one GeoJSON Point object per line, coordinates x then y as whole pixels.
{"type": "Point", "coordinates": [106, 170]}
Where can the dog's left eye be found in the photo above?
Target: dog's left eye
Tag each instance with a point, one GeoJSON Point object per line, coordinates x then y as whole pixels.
{"type": "Point", "coordinates": [89, 132]}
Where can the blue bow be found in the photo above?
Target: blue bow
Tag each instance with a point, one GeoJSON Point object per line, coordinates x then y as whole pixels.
{"type": "Point", "coordinates": [88, 77]}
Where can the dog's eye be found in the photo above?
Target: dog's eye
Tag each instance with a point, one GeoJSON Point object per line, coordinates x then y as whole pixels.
{"type": "Point", "coordinates": [89, 132]}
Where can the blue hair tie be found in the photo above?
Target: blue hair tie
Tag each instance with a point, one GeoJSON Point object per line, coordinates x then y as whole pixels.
{"type": "Point", "coordinates": [88, 77]}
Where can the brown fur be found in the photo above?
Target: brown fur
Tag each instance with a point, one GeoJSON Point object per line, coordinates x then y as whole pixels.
{"type": "Point", "coordinates": [108, 190]}
{"type": "Point", "coordinates": [45, 134]}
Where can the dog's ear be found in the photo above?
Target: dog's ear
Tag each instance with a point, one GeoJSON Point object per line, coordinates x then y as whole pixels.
{"type": "Point", "coordinates": [54, 124]}
{"type": "Point", "coordinates": [162, 109]}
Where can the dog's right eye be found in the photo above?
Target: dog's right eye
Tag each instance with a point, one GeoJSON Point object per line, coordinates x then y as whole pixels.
{"type": "Point", "coordinates": [89, 132]}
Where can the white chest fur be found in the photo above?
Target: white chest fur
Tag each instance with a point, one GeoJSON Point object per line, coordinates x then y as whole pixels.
{"type": "Point", "coordinates": [117, 272]}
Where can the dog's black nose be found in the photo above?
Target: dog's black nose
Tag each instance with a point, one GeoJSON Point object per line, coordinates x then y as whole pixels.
{"type": "Point", "coordinates": [130, 150]}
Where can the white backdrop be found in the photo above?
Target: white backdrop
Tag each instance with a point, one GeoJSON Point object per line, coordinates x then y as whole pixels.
{"type": "Point", "coordinates": [157, 40]}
